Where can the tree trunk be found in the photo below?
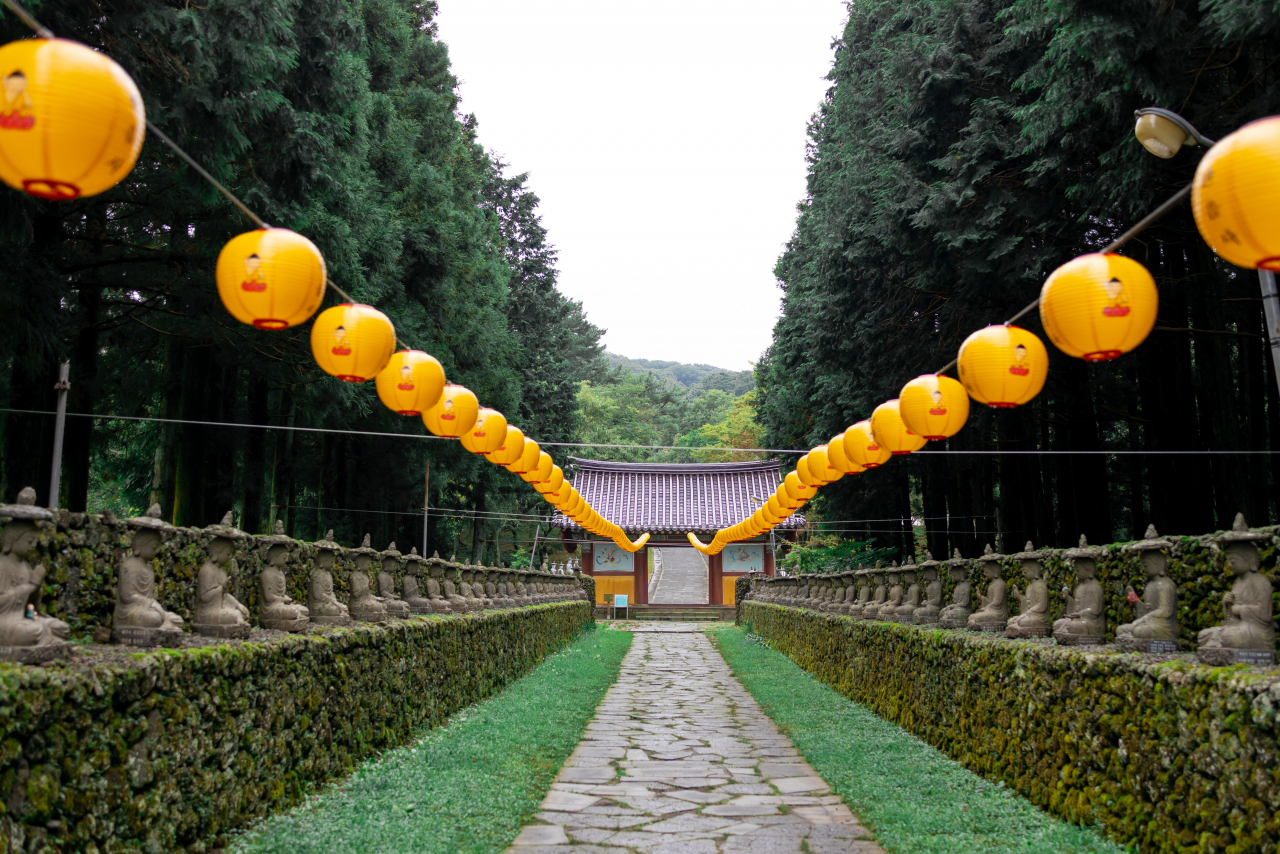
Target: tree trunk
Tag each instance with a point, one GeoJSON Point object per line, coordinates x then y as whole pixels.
{"type": "Point", "coordinates": [77, 450]}
{"type": "Point", "coordinates": [255, 458]}
{"type": "Point", "coordinates": [165, 466]}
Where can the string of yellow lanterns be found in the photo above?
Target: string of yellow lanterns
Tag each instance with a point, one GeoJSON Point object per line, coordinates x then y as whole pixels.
{"type": "Point", "coordinates": [72, 124]}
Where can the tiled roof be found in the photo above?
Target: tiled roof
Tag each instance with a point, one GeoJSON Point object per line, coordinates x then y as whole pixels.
{"type": "Point", "coordinates": [675, 497]}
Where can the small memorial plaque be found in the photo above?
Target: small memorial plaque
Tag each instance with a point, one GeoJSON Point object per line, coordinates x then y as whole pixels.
{"type": "Point", "coordinates": [1255, 656]}
{"type": "Point", "coordinates": [1162, 647]}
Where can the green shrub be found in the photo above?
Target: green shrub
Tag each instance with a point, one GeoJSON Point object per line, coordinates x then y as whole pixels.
{"type": "Point", "coordinates": [1169, 756]}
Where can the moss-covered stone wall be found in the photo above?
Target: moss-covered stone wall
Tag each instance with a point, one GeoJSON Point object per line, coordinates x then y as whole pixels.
{"type": "Point", "coordinates": [167, 750]}
{"type": "Point", "coordinates": [1170, 756]}
{"type": "Point", "coordinates": [82, 552]}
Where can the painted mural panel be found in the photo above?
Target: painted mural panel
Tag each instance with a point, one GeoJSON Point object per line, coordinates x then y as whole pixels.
{"type": "Point", "coordinates": [607, 557]}
{"type": "Point", "coordinates": [744, 557]}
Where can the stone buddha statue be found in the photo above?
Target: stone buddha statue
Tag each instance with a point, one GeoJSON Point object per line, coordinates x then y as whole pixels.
{"type": "Point", "coordinates": [862, 578]}
{"type": "Point", "coordinates": [26, 635]}
{"type": "Point", "coordinates": [1155, 627]}
{"type": "Point", "coordinates": [416, 567]}
{"type": "Point", "coordinates": [458, 603]}
{"type": "Point", "coordinates": [931, 596]}
{"type": "Point", "coordinates": [139, 619]}
{"type": "Point", "coordinates": [435, 585]}
{"type": "Point", "coordinates": [323, 606]}
{"type": "Point", "coordinates": [905, 612]}
{"type": "Point", "coordinates": [522, 591]}
{"type": "Point", "coordinates": [1033, 606]}
{"type": "Point", "coordinates": [880, 594]}
{"type": "Point", "coordinates": [396, 607]}
{"type": "Point", "coordinates": [849, 589]}
{"type": "Point", "coordinates": [994, 613]}
{"type": "Point", "coordinates": [365, 606]}
{"type": "Point", "coordinates": [1084, 622]}
{"type": "Point", "coordinates": [956, 615]}
{"type": "Point", "coordinates": [491, 588]}
{"type": "Point", "coordinates": [277, 611]}
{"type": "Point", "coordinates": [468, 591]}
{"type": "Point", "coordinates": [889, 609]}
{"type": "Point", "coordinates": [217, 613]}
{"type": "Point", "coordinates": [506, 588]}
{"type": "Point", "coordinates": [1247, 634]}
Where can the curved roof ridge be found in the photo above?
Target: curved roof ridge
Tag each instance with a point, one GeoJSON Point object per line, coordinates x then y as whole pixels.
{"type": "Point", "coordinates": [677, 468]}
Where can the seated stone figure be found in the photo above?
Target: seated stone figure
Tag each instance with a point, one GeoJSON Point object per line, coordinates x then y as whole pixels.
{"type": "Point", "coordinates": [905, 612]}
{"type": "Point", "coordinates": [365, 605]}
{"type": "Point", "coordinates": [956, 615]}
{"type": "Point", "coordinates": [322, 604]}
{"type": "Point", "coordinates": [862, 577]}
{"type": "Point", "coordinates": [278, 611]}
{"type": "Point", "coordinates": [889, 609]}
{"type": "Point", "coordinates": [467, 589]}
{"type": "Point", "coordinates": [879, 595]}
{"type": "Point", "coordinates": [435, 585]}
{"type": "Point", "coordinates": [994, 613]}
{"type": "Point", "coordinates": [418, 604]}
{"type": "Point", "coordinates": [139, 619]}
{"type": "Point", "coordinates": [1155, 628]}
{"type": "Point", "coordinates": [1033, 606]}
{"type": "Point", "coordinates": [26, 635]}
{"type": "Point", "coordinates": [217, 612]}
{"type": "Point", "coordinates": [931, 604]}
{"type": "Point", "coordinates": [396, 607]}
{"type": "Point", "coordinates": [1085, 618]}
{"type": "Point", "coordinates": [1246, 633]}
{"type": "Point", "coordinates": [458, 603]}
{"type": "Point", "coordinates": [491, 587]}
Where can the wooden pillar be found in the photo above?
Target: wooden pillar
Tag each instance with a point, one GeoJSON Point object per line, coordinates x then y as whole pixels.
{"type": "Point", "coordinates": [769, 568]}
{"type": "Point", "coordinates": [715, 579]}
{"type": "Point", "coordinates": [640, 569]}
{"type": "Point", "coordinates": [588, 560]}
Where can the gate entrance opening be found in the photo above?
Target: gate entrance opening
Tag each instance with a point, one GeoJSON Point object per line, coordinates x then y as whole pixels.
{"type": "Point", "coordinates": [678, 576]}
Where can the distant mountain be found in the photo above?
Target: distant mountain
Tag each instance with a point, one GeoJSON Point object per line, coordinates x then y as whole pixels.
{"type": "Point", "coordinates": [695, 378]}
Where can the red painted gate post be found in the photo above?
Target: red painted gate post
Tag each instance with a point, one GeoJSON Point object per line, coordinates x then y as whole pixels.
{"type": "Point", "coordinates": [640, 569]}
{"type": "Point", "coordinates": [715, 579]}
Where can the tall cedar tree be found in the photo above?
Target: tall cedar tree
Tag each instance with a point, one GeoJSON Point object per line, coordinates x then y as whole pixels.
{"type": "Point", "coordinates": [963, 151]}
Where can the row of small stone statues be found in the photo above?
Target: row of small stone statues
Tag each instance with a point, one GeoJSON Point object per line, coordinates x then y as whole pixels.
{"type": "Point", "coordinates": [140, 619]}
{"type": "Point", "coordinates": [1246, 634]}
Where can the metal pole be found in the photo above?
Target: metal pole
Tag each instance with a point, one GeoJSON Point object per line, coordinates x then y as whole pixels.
{"type": "Point", "coordinates": [1271, 311]}
{"type": "Point", "coordinates": [60, 422]}
{"type": "Point", "coordinates": [534, 552]}
{"type": "Point", "coordinates": [426, 503]}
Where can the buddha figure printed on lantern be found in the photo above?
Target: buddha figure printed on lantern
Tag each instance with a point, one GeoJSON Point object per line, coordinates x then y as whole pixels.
{"type": "Point", "coordinates": [139, 619]}
{"type": "Point", "coordinates": [26, 635]}
{"type": "Point", "coordinates": [1155, 627]}
{"type": "Point", "coordinates": [322, 605]}
{"type": "Point", "coordinates": [1246, 635]}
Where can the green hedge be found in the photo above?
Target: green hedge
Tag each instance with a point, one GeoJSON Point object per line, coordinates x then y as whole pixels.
{"type": "Point", "coordinates": [1171, 756]}
{"type": "Point", "coordinates": [82, 552]}
{"type": "Point", "coordinates": [167, 750]}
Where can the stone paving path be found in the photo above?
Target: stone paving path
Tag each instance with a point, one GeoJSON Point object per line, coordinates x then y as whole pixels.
{"type": "Point", "coordinates": [680, 760]}
{"type": "Point", "coordinates": [683, 580]}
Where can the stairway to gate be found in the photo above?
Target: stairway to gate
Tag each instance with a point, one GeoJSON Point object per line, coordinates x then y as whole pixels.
{"type": "Point", "coordinates": [682, 578]}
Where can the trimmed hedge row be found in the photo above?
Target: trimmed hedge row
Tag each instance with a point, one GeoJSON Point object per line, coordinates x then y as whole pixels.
{"type": "Point", "coordinates": [82, 553]}
{"type": "Point", "coordinates": [1172, 756]}
{"type": "Point", "coordinates": [168, 750]}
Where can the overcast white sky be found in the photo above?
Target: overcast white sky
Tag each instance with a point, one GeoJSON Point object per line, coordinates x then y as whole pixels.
{"type": "Point", "coordinates": [666, 141]}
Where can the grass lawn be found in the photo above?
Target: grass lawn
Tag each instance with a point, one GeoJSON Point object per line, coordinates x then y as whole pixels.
{"type": "Point", "coordinates": [913, 797]}
{"type": "Point", "coordinates": [466, 787]}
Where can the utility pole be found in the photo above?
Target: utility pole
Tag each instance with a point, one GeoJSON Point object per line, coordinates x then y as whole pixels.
{"type": "Point", "coordinates": [426, 503]}
{"type": "Point", "coordinates": [59, 427]}
{"type": "Point", "coordinates": [1271, 313]}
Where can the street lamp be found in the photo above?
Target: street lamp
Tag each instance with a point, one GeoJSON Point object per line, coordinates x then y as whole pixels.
{"type": "Point", "coordinates": [1163, 133]}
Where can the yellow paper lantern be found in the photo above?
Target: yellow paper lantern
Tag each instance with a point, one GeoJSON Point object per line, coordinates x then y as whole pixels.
{"type": "Point", "coordinates": [541, 471]}
{"type": "Point", "coordinates": [797, 488]}
{"type": "Point", "coordinates": [1003, 366]}
{"type": "Point", "coordinates": [510, 449]}
{"type": "Point", "coordinates": [557, 497]}
{"type": "Point", "coordinates": [529, 456]}
{"type": "Point", "coordinates": [272, 278]}
{"type": "Point", "coordinates": [1097, 307]}
{"type": "Point", "coordinates": [352, 342]}
{"type": "Point", "coordinates": [1235, 196]}
{"type": "Point", "coordinates": [487, 433]}
{"type": "Point", "coordinates": [71, 119]}
{"type": "Point", "coordinates": [411, 383]}
{"type": "Point", "coordinates": [454, 413]}
{"type": "Point", "coordinates": [785, 500]}
{"type": "Point", "coordinates": [552, 482]}
{"type": "Point", "coordinates": [820, 465]}
{"type": "Point", "coordinates": [776, 508]}
{"type": "Point", "coordinates": [838, 459]}
{"type": "Point", "coordinates": [806, 477]}
{"type": "Point", "coordinates": [934, 406]}
{"type": "Point", "coordinates": [890, 431]}
{"type": "Point", "coordinates": [861, 447]}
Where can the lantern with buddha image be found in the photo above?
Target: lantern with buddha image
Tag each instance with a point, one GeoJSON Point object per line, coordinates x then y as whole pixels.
{"type": "Point", "coordinates": [934, 406]}
{"type": "Point", "coordinates": [411, 383]}
{"type": "Point", "coordinates": [272, 278]}
{"type": "Point", "coordinates": [1003, 366]}
{"type": "Point", "coordinates": [487, 433]}
{"type": "Point", "coordinates": [454, 413]}
{"type": "Point", "coordinates": [891, 432]}
{"type": "Point", "coordinates": [1098, 307]}
{"type": "Point", "coordinates": [352, 342]}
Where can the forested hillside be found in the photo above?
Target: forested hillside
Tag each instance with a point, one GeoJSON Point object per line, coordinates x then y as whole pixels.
{"type": "Point", "coordinates": [966, 149]}
{"type": "Point", "coordinates": [336, 118]}
{"type": "Point", "coordinates": [695, 378]}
